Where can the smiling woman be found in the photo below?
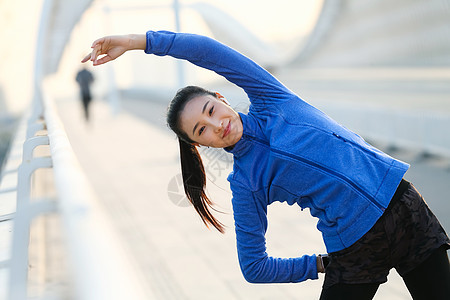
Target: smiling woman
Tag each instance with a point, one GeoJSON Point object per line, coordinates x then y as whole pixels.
{"type": "Point", "coordinates": [286, 150]}
{"type": "Point", "coordinates": [201, 117]}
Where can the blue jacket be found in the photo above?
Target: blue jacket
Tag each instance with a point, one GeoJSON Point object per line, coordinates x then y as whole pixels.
{"type": "Point", "coordinates": [290, 152]}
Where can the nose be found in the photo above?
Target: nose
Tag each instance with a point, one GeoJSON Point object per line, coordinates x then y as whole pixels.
{"type": "Point", "coordinates": [217, 125]}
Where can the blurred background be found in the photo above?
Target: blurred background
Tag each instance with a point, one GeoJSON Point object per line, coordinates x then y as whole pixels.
{"type": "Point", "coordinates": [380, 68]}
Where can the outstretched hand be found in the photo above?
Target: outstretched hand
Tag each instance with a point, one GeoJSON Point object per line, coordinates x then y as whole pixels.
{"type": "Point", "coordinates": [109, 48]}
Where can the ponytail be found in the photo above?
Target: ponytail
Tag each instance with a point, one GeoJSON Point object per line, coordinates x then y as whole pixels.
{"type": "Point", "coordinates": [194, 178]}
{"type": "Point", "coordinates": [194, 181]}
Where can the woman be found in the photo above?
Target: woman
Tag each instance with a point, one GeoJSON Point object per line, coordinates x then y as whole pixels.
{"type": "Point", "coordinates": [286, 150]}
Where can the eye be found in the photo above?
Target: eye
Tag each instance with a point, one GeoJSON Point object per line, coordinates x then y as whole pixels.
{"type": "Point", "coordinates": [211, 110]}
{"type": "Point", "coordinates": [201, 130]}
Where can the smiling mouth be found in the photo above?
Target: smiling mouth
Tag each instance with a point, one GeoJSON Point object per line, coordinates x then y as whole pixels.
{"type": "Point", "coordinates": [227, 130]}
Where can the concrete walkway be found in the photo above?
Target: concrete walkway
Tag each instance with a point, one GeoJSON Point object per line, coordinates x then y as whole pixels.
{"type": "Point", "coordinates": [133, 164]}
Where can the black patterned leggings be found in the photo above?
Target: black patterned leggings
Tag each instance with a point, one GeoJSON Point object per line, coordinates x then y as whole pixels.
{"type": "Point", "coordinates": [430, 280]}
{"type": "Point", "coordinates": [407, 237]}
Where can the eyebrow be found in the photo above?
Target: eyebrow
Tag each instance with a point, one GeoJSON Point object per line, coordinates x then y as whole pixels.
{"type": "Point", "coordinates": [203, 111]}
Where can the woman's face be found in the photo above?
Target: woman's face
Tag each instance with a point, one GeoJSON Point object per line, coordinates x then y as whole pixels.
{"type": "Point", "coordinates": [209, 121]}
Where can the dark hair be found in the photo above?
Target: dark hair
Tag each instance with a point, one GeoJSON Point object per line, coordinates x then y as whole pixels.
{"type": "Point", "coordinates": [194, 178]}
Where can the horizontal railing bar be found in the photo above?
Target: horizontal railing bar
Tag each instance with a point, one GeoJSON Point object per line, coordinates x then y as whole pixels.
{"type": "Point", "coordinates": [4, 263]}
{"type": "Point", "coordinates": [8, 190]}
{"type": "Point", "coordinates": [7, 217]}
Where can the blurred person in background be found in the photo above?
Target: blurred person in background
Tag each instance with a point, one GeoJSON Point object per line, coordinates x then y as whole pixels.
{"type": "Point", "coordinates": [84, 79]}
{"type": "Point", "coordinates": [371, 219]}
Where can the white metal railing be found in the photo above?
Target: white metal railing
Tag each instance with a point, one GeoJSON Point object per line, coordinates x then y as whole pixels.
{"type": "Point", "coordinates": [99, 264]}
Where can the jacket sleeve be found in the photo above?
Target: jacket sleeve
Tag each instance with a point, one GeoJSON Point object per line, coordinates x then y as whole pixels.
{"type": "Point", "coordinates": [256, 265]}
{"type": "Point", "coordinates": [260, 85]}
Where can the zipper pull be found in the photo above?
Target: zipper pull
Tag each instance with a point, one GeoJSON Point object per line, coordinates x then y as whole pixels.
{"type": "Point", "coordinates": [339, 137]}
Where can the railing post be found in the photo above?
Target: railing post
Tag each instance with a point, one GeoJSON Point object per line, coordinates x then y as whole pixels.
{"type": "Point", "coordinates": [25, 211]}
{"type": "Point", "coordinates": [33, 128]}
{"type": "Point", "coordinates": [21, 228]}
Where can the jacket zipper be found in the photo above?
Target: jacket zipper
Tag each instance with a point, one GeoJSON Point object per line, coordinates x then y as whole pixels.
{"type": "Point", "coordinates": [311, 163]}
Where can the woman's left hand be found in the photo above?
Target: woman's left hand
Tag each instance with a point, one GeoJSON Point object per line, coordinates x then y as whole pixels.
{"type": "Point", "coordinates": [114, 46]}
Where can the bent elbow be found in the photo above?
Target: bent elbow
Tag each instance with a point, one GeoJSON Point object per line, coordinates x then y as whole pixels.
{"type": "Point", "coordinates": [252, 276]}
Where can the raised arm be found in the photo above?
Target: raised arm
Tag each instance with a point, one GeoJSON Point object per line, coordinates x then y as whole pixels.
{"type": "Point", "coordinates": [202, 51]}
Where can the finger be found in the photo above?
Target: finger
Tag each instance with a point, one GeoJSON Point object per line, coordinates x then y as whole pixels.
{"type": "Point", "coordinates": [97, 41]}
{"type": "Point", "coordinates": [86, 58]}
{"type": "Point", "coordinates": [95, 52]}
{"type": "Point", "coordinates": [103, 60]}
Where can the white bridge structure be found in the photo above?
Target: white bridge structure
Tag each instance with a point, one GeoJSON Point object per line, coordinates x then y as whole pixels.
{"type": "Point", "coordinates": [356, 44]}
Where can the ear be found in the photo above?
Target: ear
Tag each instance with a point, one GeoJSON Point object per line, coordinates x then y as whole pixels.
{"type": "Point", "coordinates": [220, 97]}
